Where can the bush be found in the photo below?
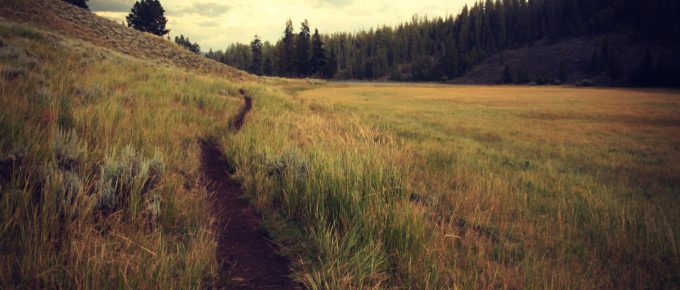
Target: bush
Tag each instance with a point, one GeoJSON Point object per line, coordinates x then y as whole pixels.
{"type": "Point", "coordinates": [67, 150]}
{"type": "Point", "coordinates": [17, 57]}
{"type": "Point", "coordinates": [128, 178]}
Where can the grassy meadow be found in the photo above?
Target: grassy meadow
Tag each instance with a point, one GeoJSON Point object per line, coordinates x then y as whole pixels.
{"type": "Point", "coordinates": [364, 186]}
{"type": "Point", "coordinates": [428, 186]}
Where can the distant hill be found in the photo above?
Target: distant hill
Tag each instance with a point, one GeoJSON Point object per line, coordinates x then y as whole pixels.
{"type": "Point", "coordinates": [571, 60]}
{"type": "Point", "coordinates": [60, 16]}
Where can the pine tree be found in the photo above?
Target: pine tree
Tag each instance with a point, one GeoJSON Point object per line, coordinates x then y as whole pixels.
{"type": "Point", "coordinates": [186, 43]}
{"type": "Point", "coordinates": [331, 68]}
{"type": "Point", "coordinates": [256, 53]}
{"type": "Point", "coordinates": [319, 59]}
{"type": "Point", "coordinates": [507, 75]}
{"type": "Point", "coordinates": [288, 54]}
{"type": "Point", "coordinates": [148, 16]}
{"type": "Point", "coordinates": [644, 72]}
{"type": "Point", "coordinates": [79, 3]}
{"type": "Point", "coordinates": [303, 55]}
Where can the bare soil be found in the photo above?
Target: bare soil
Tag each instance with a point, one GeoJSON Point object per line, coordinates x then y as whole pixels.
{"type": "Point", "coordinates": [247, 258]}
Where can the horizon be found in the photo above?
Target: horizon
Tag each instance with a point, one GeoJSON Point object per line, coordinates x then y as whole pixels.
{"type": "Point", "coordinates": [238, 22]}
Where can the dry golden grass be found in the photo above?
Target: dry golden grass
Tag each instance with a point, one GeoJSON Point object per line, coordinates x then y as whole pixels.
{"type": "Point", "coordinates": [545, 187]}
{"type": "Point", "coordinates": [80, 124]}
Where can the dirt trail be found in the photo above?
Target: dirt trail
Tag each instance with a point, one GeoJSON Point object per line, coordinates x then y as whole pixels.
{"type": "Point", "coordinates": [246, 256]}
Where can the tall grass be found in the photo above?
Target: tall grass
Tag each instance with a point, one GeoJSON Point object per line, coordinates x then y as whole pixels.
{"type": "Point", "coordinates": [421, 187]}
{"type": "Point", "coordinates": [341, 207]}
{"type": "Point", "coordinates": [99, 163]}
{"type": "Point", "coordinates": [531, 188]}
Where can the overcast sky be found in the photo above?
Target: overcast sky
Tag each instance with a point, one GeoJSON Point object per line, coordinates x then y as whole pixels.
{"type": "Point", "coordinates": [217, 23]}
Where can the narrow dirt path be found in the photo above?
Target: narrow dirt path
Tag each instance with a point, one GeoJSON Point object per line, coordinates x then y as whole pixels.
{"type": "Point", "coordinates": [247, 258]}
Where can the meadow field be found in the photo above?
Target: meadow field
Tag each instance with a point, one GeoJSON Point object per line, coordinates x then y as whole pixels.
{"type": "Point", "coordinates": [361, 185]}
{"type": "Point", "coordinates": [434, 186]}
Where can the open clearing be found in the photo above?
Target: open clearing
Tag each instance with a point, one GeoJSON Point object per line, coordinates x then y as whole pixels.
{"type": "Point", "coordinates": [359, 186]}
{"type": "Point", "coordinates": [568, 187]}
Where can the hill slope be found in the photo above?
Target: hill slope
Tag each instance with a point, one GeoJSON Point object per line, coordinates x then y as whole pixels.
{"type": "Point", "coordinates": [79, 23]}
{"type": "Point", "coordinates": [542, 61]}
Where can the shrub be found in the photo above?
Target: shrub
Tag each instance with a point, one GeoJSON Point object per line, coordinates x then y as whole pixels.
{"type": "Point", "coordinates": [128, 178]}
{"type": "Point", "coordinates": [67, 150]}
{"type": "Point", "coordinates": [17, 57]}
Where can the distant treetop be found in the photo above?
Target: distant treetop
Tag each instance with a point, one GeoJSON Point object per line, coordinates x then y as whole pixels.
{"type": "Point", "coordinates": [79, 3]}
{"type": "Point", "coordinates": [148, 16]}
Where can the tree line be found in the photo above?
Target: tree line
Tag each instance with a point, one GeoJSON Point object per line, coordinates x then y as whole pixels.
{"type": "Point", "coordinates": [443, 48]}
{"type": "Point", "coordinates": [301, 54]}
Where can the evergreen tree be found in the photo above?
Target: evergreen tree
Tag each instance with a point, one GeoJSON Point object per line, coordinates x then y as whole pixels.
{"type": "Point", "coordinates": [79, 3]}
{"type": "Point", "coordinates": [148, 16]}
{"type": "Point", "coordinates": [256, 52]}
{"type": "Point", "coordinates": [303, 54]}
{"type": "Point", "coordinates": [446, 48]}
{"type": "Point", "coordinates": [507, 75]}
{"type": "Point", "coordinates": [319, 61]}
{"type": "Point", "coordinates": [331, 68]}
{"type": "Point", "coordinates": [288, 54]}
{"type": "Point", "coordinates": [644, 74]}
{"type": "Point", "coordinates": [186, 43]}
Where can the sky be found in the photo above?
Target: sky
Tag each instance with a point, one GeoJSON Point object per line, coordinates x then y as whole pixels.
{"type": "Point", "coordinates": [217, 23]}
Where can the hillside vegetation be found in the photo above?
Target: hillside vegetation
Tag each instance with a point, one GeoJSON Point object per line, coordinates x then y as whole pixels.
{"type": "Point", "coordinates": [99, 166]}
{"type": "Point", "coordinates": [78, 23]}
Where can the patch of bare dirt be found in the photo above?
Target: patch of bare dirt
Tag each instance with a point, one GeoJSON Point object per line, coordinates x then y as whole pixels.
{"type": "Point", "coordinates": [244, 252]}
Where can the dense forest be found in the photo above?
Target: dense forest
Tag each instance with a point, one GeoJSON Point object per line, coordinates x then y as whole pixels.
{"type": "Point", "coordinates": [443, 48]}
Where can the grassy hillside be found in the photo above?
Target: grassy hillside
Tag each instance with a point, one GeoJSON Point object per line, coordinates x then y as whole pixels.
{"type": "Point", "coordinates": [70, 20]}
{"type": "Point", "coordinates": [99, 167]}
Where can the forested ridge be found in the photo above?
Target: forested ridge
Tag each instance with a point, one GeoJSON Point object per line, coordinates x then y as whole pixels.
{"type": "Point", "coordinates": [444, 48]}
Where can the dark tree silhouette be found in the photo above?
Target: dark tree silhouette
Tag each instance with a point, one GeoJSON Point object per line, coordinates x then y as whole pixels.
{"type": "Point", "coordinates": [288, 54]}
{"type": "Point", "coordinates": [186, 43]}
{"type": "Point", "coordinates": [256, 52]}
{"type": "Point", "coordinates": [303, 53]}
{"type": "Point", "coordinates": [444, 48]}
{"type": "Point", "coordinates": [507, 75]}
{"type": "Point", "coordinates": [319, 59]}
{"type": "Point", "coordinates": [148, 16]}
{"type": "Point", "coordinates": [79, 3]}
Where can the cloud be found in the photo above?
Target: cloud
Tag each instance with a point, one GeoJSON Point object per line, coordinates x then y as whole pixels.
{"type": "Point", "coordinates": [335, 2]}
{"type": "Point", "coordinates": [205, 9]}
{"type": "Point", "coordinates": [208, 23]}
{"type": "Point", "coordinates": [111, 5]}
